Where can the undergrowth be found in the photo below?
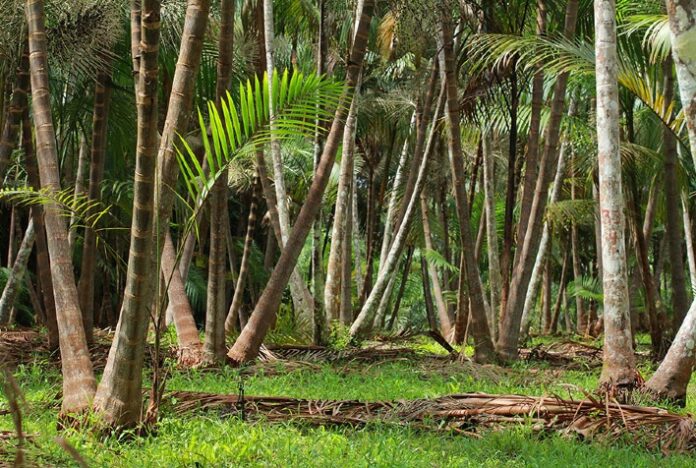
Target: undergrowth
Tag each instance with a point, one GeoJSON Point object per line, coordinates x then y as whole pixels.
{"type": "Point", "coordinates": [209, 439]}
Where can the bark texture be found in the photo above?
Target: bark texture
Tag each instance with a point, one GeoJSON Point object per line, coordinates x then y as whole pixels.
{"type": "Point", "coordinates": [119, 396]}
{"type": "Point", "coordinates": [619, 361]}
{"type": "Point", "coordinates": [78, 376]}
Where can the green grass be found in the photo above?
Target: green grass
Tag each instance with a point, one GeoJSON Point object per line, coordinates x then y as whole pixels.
{"type": "Point", "coordinates": [211, 440]}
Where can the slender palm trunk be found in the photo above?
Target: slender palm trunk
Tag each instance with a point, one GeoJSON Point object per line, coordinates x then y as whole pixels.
{"type": "Point", "coordinates": [188, 341]}
{"type": "Point", "coordinates": [214, 346]}
{"type": "Point", "coordinates": [546, 297]}
{"type": "Point", "coordinates": [619, 361]}
{"type": "Point", "coordinates": [364, 321]}
{"type": "Point", "coordinates": [672, 377]}
{"type": "Point", "coordinates": [682, 23]}
{"type": "Point", "coordinates": [673, 219]}
{"type": "Point", "coordinates": [470, 281]}
{"type": "Point", "coordinates": [544, 248]}
{"type": "Point", "coordinates": [394, 196]}
{"type": "Point", "coordinates": [423, 115]}
{"type": "Point", "coordinates": [78, 376]}
{"type": "Point", "coordinates": [244, 267]}
{"type": "Point", "coordinates": [304, 300]}
{"type": "Point", "coordinates": [332, 296]}
{"type": "Point", "coordinates": [135, 38]}
{"type": "Point", "coordinates": [85, 286]}
{"type": "Point", "coordinates": [688, 237]}
{"type": "Point", "coordinates": [524, 260]}
{"type": "Point", "coordinates": [178, 111]}
{"type": "Point", "coordinates": [19, 268]}
{"type": "Point", "coordinates": [560, 297]}
{"type": "Point", "coordinates": [495, 278]}
{"type": "Point", "coordinates": [532, 163]}
{"type": "Point", "coordinates": [78, 192]}
{"type": "Point", "coordinates": [18, 101]}
{"type": "Point", "coordinates": [247, 345]}
{"type": "Point", "coordinates": [119, 397]}
{"type": "Point", "coordinates": [359, 279]}
{"type": "Point", "coordinates": [346, 312]}
{"type": "Point", "coordinates": [446, 325]}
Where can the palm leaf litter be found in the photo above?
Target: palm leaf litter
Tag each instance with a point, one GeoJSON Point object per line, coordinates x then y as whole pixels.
{"type": "Point", "coordinates": [467, 414]}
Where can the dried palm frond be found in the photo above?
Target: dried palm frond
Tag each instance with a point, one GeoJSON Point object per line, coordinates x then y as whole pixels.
{"type": "Point", "coordinates": [466, 413]}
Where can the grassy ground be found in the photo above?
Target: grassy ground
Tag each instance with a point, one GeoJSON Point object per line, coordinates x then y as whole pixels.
{"type": "Point", "coordinates": [212, 440]}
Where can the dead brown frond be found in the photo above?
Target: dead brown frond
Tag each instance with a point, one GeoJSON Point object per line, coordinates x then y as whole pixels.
{"type": "Point", "coordinates": [468, 413]}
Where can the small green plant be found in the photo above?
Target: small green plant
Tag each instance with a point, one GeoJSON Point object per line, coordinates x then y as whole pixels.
{"type": "Point", "coordinates": [339, 335]}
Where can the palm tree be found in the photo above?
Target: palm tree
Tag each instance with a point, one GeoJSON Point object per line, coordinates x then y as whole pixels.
{"type": "Point", "coordinates": [525, 257]}
{"type": "Point", "coordinates": [619, 369]}
{"type": "Point", "coordinates": [247, 345]}
{"type": "Point", "coordinates": [19, 268]}
{"type": "Point", "coordinates": [78, 377]}
{"type": "Point", "coordinates": [332, 295]}
{"type": "Point", "coordinates": [10, 130]}
{"type": "Point", "coordinates": [470, 279]}
{"type": "Point", "coordinates": [674, 373]}
{"type": "Point", "coordinates": [119, 396]}
{"type": "Point", "coordinates": [214, 345]}
{"type": "Point", "coordinates": [85, 286]}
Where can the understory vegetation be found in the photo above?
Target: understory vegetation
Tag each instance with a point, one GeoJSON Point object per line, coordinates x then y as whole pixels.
{"type": "Point", "coordinates": [218, 438]}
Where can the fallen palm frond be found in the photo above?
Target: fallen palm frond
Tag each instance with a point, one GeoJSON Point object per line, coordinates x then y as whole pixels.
{"type": "Point", "coordinates": [467, 413]}
{"type": "Point", "coordinates": [567, 353]}
{"type": "Point", "coordinates": [311, 353]}
{"type": "Point", "coordinates": [23, 347]}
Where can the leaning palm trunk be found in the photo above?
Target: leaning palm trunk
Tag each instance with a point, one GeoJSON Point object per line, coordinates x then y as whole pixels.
{"type": "Point", "coordinates": [9, 293]}
{"type": "Point", "coordinates": [178, 111]}
{"type": "Point", "coordinates": [470, 279]}
{"type": "Point", "coordinates": [671, 379]}
{"type": "Point", "coordinates": [381, 289]}
{"type": "Point", "coordinates": [37, 214]}
{"type": "Point", "coordinates": [332, 289]}
{"type": "Point", "coordinates": [394, 195]}
{"type": "Point", "coordinates": [534, 283]}
{"type": "Point", "coordinates": [79, 191]}
{"type": "Point", "coordinates": [446, 325]}
{"type": "Point", "coordinates": [301, 297]}
{"type": "Point", "coordinates": [189, 342]}
{"type": "Point", "coordinates": [526, 255]}
{"type": "Point", "coordinates": [535, 280]}
{"type": "Point", "coordinates": [619, 361]}
{"type": "Point", "coordinates": [78, 376]}
{"type": "Point", "coordinates": [495, 278]}
{"type": "Point", "coordinates": [119, 397]}
{"type": "Point", "coordinates": [532, 158]}
{"type": "Point", "coordinates": [247, 345]}
{"type": "Point", "coordinates": [102, 98]}
{"type": "Point", "coordinates": [244, 268]}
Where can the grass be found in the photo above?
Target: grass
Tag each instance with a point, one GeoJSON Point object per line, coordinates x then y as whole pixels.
{"type": "Point", "coordinates": [212, 440]}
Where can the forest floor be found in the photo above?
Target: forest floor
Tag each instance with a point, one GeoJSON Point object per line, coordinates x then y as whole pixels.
{"type": "Point", "coordinates": [222, 439]}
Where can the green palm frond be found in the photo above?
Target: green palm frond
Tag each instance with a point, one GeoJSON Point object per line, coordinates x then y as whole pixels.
{"type": "Point", "coordinates": [560, 55]}
{"type": "Point", "coordinates": [656, 34]}
{"type": "Point", "coordinates": [566, 212]}
{"type": "Point", "coordinates": [586, 287]}
{"type": "Point", "coordinates": [435, 258]}
{"type": "Point", "coordinates": [87, 211]}
{"type": "Point", "coordinates": [302, 104]}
